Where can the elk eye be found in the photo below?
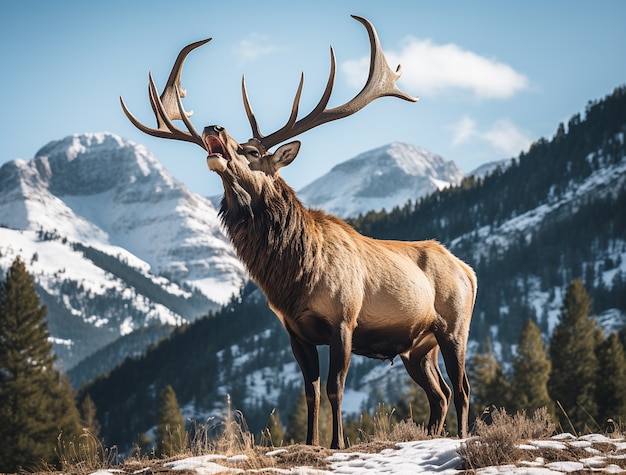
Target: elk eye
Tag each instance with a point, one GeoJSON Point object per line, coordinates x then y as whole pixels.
{"type": "Point", "coordinates": [254, 153]}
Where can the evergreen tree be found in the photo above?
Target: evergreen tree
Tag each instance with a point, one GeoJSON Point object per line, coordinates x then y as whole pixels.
{"type": "Point", "coordinates": [37, 403]}
{"type": "Point", "coordinates": [171, 434]}
{"type": "Point", "coordinates": [414, 404]}
{"type": "Point", "coordinates": [572, 381]}
{"type": "Point", "coordinates": [297, 422]}
{"type": "Point", "coordinates": [488, 381]}
{"type": "Point", "coordinates": [611, 383]}
{"type": "Point", "coordinates": [88, 417]}
{"type": "Point", "coordinates": [531, 372]}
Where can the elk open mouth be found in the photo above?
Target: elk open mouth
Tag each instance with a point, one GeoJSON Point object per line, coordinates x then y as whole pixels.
{"type": "Point", "coordinates": [215, 146]}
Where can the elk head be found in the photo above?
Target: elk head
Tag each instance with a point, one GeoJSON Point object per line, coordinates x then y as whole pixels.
{"type": "Point", "coordinates": [226, 155]}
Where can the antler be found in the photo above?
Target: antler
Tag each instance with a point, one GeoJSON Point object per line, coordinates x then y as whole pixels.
{"type": "Point", "coordinates": [168, 106]}
{"type": "Point", "coordinates": [380, 82]}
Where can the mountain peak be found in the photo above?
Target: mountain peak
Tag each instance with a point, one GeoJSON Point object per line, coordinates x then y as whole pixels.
{"type": "Point", "coordinates": [385, 177]}
{"type": "Point", "coordinates": [92, 163]}
{"type": "Point", "coordinates": [107, 192]}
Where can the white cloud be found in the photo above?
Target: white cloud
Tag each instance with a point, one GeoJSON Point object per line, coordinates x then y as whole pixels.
{"type": "Point", "coordinates": [253, 47]}
{"type": "Point", "coordinates": [503, 135]}
{"type": "Point", "coordinates": [429, 69]}
{"type": "Point", "coordinates": [463, 130]}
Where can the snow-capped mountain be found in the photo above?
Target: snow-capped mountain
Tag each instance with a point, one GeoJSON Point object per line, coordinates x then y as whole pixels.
{"type": "Point", "coordinates": [487, 168]}
{"type": "Point", "coordinates": [382, 178]}
{"type": "Point", "coordinates": [97, 218]}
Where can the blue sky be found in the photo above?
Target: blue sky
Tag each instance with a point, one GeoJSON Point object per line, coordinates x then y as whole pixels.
{"type": "Point", "coordinates": [492, 77]}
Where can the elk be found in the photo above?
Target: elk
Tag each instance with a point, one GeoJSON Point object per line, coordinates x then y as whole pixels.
{"type": "Point", "coordinates": [328, 284]}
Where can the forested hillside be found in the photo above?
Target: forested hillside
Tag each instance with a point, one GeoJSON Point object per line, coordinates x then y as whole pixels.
{"type": "Point", "coordinates": [555, 214]}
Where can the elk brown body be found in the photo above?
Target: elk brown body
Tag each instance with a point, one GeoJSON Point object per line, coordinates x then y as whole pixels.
{"type": "Point", "coordinates": [328, 284]}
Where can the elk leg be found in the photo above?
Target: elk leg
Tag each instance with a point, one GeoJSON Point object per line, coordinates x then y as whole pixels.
{"type": "Point", "coordinates": [422, 366]}
{"type": "Point", "coordinates": [308, 359]}
{"type": "Point", "coordinates": [453, 352]}
{"type": "Point", "coordinates": [340, 351]}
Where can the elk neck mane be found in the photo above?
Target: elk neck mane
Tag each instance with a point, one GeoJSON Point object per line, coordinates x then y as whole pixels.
{"type": "Point", "coordinates": [277, 238]}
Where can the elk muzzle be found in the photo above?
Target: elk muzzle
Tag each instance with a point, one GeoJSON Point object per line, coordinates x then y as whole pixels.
{"type": "Point", "coordinates": [217, 158]}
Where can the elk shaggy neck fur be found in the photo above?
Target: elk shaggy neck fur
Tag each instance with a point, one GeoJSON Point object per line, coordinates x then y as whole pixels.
{"type": "Point", "coordinates": [271, 230]}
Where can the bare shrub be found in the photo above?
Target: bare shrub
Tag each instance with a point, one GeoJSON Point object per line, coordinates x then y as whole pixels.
{"type": "Point", "coordinates": [539, 426]}
{"type": "Point", "coordinates": [497, 443]}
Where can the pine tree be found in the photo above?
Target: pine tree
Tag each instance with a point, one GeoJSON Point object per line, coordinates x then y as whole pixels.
{"type": "Point", "coordinates": [531, 372]}
{"type": "Point", "coordinates": [413, 404]}
{"type": "Point", "coordinates": [611, 383]}
{"type": "Point", "coordinates": [171, 434]}
{"type": "Point", "coordinates": [572, 381]}
{"type": "Point", "coordinates": [37, 402]}
{"type": "Point", "coordinates": [297, 422]}
{"type": "Point", "coordinates": [488, 381]}
{"type": "Point", "coordinates": [88, 416]}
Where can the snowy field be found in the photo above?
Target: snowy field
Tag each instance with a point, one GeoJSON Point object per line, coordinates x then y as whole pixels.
{"type": "Point", "coordinates": [596, 453]}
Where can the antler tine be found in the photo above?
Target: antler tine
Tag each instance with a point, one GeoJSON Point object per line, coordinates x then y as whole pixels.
{"type": "Point", "coordinates": [168, 106]}
{"type": "Point", "coordinates": [164, 118]}
{"type": "Point", "coordinates": [251, 118]}
{"type": "Point", "coordinates": [381, 82]}
{"type": "Point", "coordinates": [173, 90]}
{"type": "Point", "coordinates": [256, 132]}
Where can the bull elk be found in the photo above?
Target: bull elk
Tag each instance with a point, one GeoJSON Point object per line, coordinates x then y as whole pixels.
{"type": "Point", "coordinates": [328, 284]}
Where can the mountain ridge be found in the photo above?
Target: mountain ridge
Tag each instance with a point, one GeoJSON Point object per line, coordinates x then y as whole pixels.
{"type": "Point", "coordinates": [382, 178]}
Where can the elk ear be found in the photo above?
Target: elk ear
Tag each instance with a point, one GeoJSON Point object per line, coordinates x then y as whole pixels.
{"type": "Point", "coordinates": [286, 154]}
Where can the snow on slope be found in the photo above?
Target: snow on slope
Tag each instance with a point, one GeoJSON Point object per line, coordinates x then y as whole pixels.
{"type": "Point", "coordinates": [43, 258]}
{"type": "Point", "coordinates": [602, 182]}
{"type": "Point", "coordinates": [385, 177]}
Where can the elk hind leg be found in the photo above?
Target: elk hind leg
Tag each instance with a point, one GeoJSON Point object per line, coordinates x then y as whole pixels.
{"type": "Point", "coordinates": [422, 365]}
{"type": "Point", "coordinates": [453, 351]}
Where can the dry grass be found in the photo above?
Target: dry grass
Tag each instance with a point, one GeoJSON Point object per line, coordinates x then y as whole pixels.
{"type": "Point", "coordinates": [387, 431]}
{"type": "Point", "coordinates": [85, 454]}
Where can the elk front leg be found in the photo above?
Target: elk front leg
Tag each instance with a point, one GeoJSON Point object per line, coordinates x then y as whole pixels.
{"type": "Point", "coordinates": [340, 351]}
{"type": "Point", "coordinates": [308, 359]}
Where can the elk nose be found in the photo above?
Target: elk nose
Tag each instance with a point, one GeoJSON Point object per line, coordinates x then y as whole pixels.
{"type": "Point", "coordinates": [212, 129]}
